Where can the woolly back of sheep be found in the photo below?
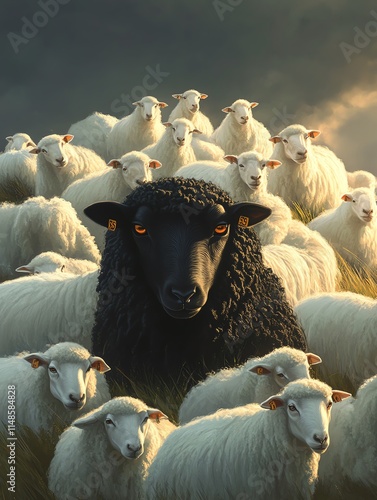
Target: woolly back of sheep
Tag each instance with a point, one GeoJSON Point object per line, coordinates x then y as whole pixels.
{"type": "Point", "coordinates": [246, 312]}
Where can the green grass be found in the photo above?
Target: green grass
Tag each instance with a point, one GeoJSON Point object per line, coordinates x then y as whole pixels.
{"type": "Point", "coordinates": [35, 451]}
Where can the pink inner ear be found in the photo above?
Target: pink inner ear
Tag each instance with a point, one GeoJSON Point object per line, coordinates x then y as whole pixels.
{"type": "Point", "coordinates": [346, 197]}
{"type": "Point", "coordinates": [275, 139]}
{"type": "Point", "coordinates": [154, 164]}
{"type": "Point", "coordinates": [231, 159]}
{"type": "Point", "coordinates": [68, 138]}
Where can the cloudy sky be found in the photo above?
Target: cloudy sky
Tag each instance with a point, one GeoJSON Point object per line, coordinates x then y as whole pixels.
{"type": "Point", "coordinates": [306, 62]}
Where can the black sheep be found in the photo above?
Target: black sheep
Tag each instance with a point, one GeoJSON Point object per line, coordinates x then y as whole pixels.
{"type": "Point", "coordinates": [182, 283]}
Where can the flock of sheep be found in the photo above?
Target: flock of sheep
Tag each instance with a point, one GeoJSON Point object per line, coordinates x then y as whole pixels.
{"type": "Point", "coordinates": [256, 430]}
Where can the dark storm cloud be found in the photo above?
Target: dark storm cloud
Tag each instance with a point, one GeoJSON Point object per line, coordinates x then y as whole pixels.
{"type": "Point", "coordinates": [93, 54]}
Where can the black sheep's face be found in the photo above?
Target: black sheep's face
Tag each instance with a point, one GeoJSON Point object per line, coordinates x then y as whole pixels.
{"type": "Point", "coordinates": [180, 255]}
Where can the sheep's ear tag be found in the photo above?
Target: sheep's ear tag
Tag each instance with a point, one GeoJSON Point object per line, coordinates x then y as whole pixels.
{"type": "Point", "coordinates": [35, 363]}
{"type": "Point", "coordinates": [112, 225]}
{"type": "Point", "coordinates": [243, 221]}
{"type": "Point", "coordinates": [272, 405]}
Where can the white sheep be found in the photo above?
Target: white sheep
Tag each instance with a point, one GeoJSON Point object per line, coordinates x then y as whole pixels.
{"type": "Point", "coordinates": [19, 141]}
{"type": "Point", "coordinates": [59, 164]}
{"type": "Point", "coordinates": [240, 132]}
{"type": "Point", "coordinates": [138, 130]}
{"type": "Point", "coordinates": [205, 150]}
{"type": "Point", "coordinates": [342, 328]}
{"type": "Point", "coordinates": [106, 454]}
{"type": "Point", "coordinates": [351, 228]}
{"type": "Point", "coordinates": [189, 107]}
{"type": "Point", "coordinates": [304, 261]}
{"type": "Point", "coordinates": [92, 132]}
{"type": "Point", "coordinates": [270, 451]}
{"type": "Point", "coordinates": [46, 309]}
{"type": "Point", "coordinates": [245, 179]}
{"type": "Point", "coordinates": [174, 149]}
{"type": "Point", "coordinates": [253, 382]}
{"type": "Point", "coordinates": [310, 176]}
{"type": "Point", "coordinates": [51, 262]}
{"type": "Point", "coordinates": [115, 184]}
{"type": "Point", "coordinates": [352, 456]}
{"type": "Point", "coordinates": [52, 386]}
{"type": "Point", "coordinates": [40, 225]}
{"type": "Point", "coordinates": [18, 167]}
{"type": "Point", "coordinates": [361, 178]}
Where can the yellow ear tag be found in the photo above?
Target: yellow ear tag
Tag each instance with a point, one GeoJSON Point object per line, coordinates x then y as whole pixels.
{"type": "Point", "coordinates": [336, 398]}
{"type": "Point", "coordinates": [243, 221]}
{"type": "Point", "coordinates": [112, 225]}
{"type": "Point", "coordinates": [35, 363]}
{"type": "Point", "coordinates": [272, 405]}
{"type": "Point", "coordinates": [260, 370]}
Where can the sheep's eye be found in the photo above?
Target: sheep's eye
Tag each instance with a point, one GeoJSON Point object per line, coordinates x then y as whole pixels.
{"type": "Point", "coordinates": [145, 419]}
{"type": "Point", "coordinates": [263, 165]}
{"type": "Point", "coordinates": [108, 421]}
{"type": "Point", "coordinates": [241, 166]}
{"type": "Point", "coordinates": [37, 272]}
{"type": "Point", "coordinates": [281, 375]}
{"type": "Point", "coordinates": [173, 129]}
{"type": "Point", "coordinates": [124, 168]}
{"type": "Point", "coordinates": [221, 229]}
{"type": "Point", "coordinates": [292, 408]}
{"type": "Point", "coordinates": [285, 141]}
{"type": "Point", "coordinates": [306, 136]}
{"type": "Point", "coordinates": [139, 229]}
{"type": "Point", "coordinates": [44, 150]}
{"type": "Point", "coordinates": [184, 97]}
{"type": "Point", "coordinates": [88, 369]}
{"type": "Point", "coordinates": [329, 405]}
{"type": "Point", "coordinates": [353, 201]}
{"type": "Point", "coordinates": [52, 369]}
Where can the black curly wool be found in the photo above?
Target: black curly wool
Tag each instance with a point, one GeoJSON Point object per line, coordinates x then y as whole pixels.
{"type": "Point", "coordinates": [246, 313]}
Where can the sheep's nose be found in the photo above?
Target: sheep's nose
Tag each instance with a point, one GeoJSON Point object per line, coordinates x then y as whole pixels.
{"type": "Point", "coordinates": [302, 153]}
{"type": "Point", "coordinates": [148, 116]}
{"type": "Point", "coordinates": [184, 296]}
{"type": "Point", "coordinates": [245, 118]}
{"type": "Point", "coordinates": [321, 439]}
{"type": "Point", "coordinates": [60, 160]}
{"type": "Point", "coordinates": [76, 398]}
{"type": "Point", "coordinates": [133, 447]}
{"type": "Point", "coordinates": [194, 106]}
{"type": "Point", "coordinates": [181, 140]}
{"type": "Point", "coordinates": [368, 212]}
{"type": "Point", "coordinates": [255, 178]}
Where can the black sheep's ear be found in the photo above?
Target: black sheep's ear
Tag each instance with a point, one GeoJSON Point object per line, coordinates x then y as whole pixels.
{"type": "Point", "coordinates": [109, 214]}
{"type": "Point", "coordinates": [248, 214]}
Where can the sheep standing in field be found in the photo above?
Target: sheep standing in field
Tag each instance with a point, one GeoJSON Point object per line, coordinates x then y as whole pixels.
{"type": "Point", "coordinates": [138, 130]}
{"type": "Point", "coordinates": [39, 225]}
{"type": "Point", "coordinates": [342, 328]}
{"type": "Point", "coordinates": [245, 179]}
{"type": "Point", "coordinates": [18, 170]}
{"type": "Point", "coordinates": [195, 310]}
{"type": "Point", "coordinates": [51, 385]}
{"type": "Point", "coordinates": [189, 107]}
{"type": "Point", "coordinates": [351, 228]}
{"type": "Point", "coordinates": [361, 178]}
{"type": "Point", "coordinates": [127, 172]}
{"type": "Point", "coordinates": [92, 132]}
{"type": "Point", "coordinates": [174, 149]}
{"type": "Point", "coordinates": [59, 164]}
{"type": "Point", "coordinates": [310, 176]}
{"type": "Point", "coordinates": [352, 456]}
{"type": "Point", "coordinates": [51, 262]}
{"type": "Point", "coordinates": [235, 452]}
{"type": "Point", "coordinates": [253, 382]}
{"type": "Point", "coordinates": [49, 308]}
{"type": "Point", "coordinates": [106, 454]}
{"type": "Point", "coordinates": [19, 141]}
{"type": "Point", "coordinates": [240, 132]}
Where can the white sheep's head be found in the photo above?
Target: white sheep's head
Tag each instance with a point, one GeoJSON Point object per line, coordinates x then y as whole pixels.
{"type": "Point", "coordinates": [252, 167]}
{"type": "Point", "coordinates": [126, 427]}
{"type": "Point", "coordinates": [190, 99]}
{"type": "Point", "coordinates": [136, 168]}
{"type": "Point", "coordinates": [307, 404]}
{"type": "Point", "coordinates": [289, 365]}
{"type": "Point", "coordinates": [150, 107]}
{"type": "Point", "coordinates": [241, 111]}
{"type": "Point", "coordinates": [46, 262]}
{"type": "Point", "coordinates": [19, 141]}
{"type": "Point", "coordinates": [296, 142]}
{"type": "Point", "coordinates": [363, 202]}
{"type": "Point", "coordinates": [181, 130]}
{"type": "Point", "coordinates": [52, 147]}
{"type": "Point", "coordinates": [69, 368]}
